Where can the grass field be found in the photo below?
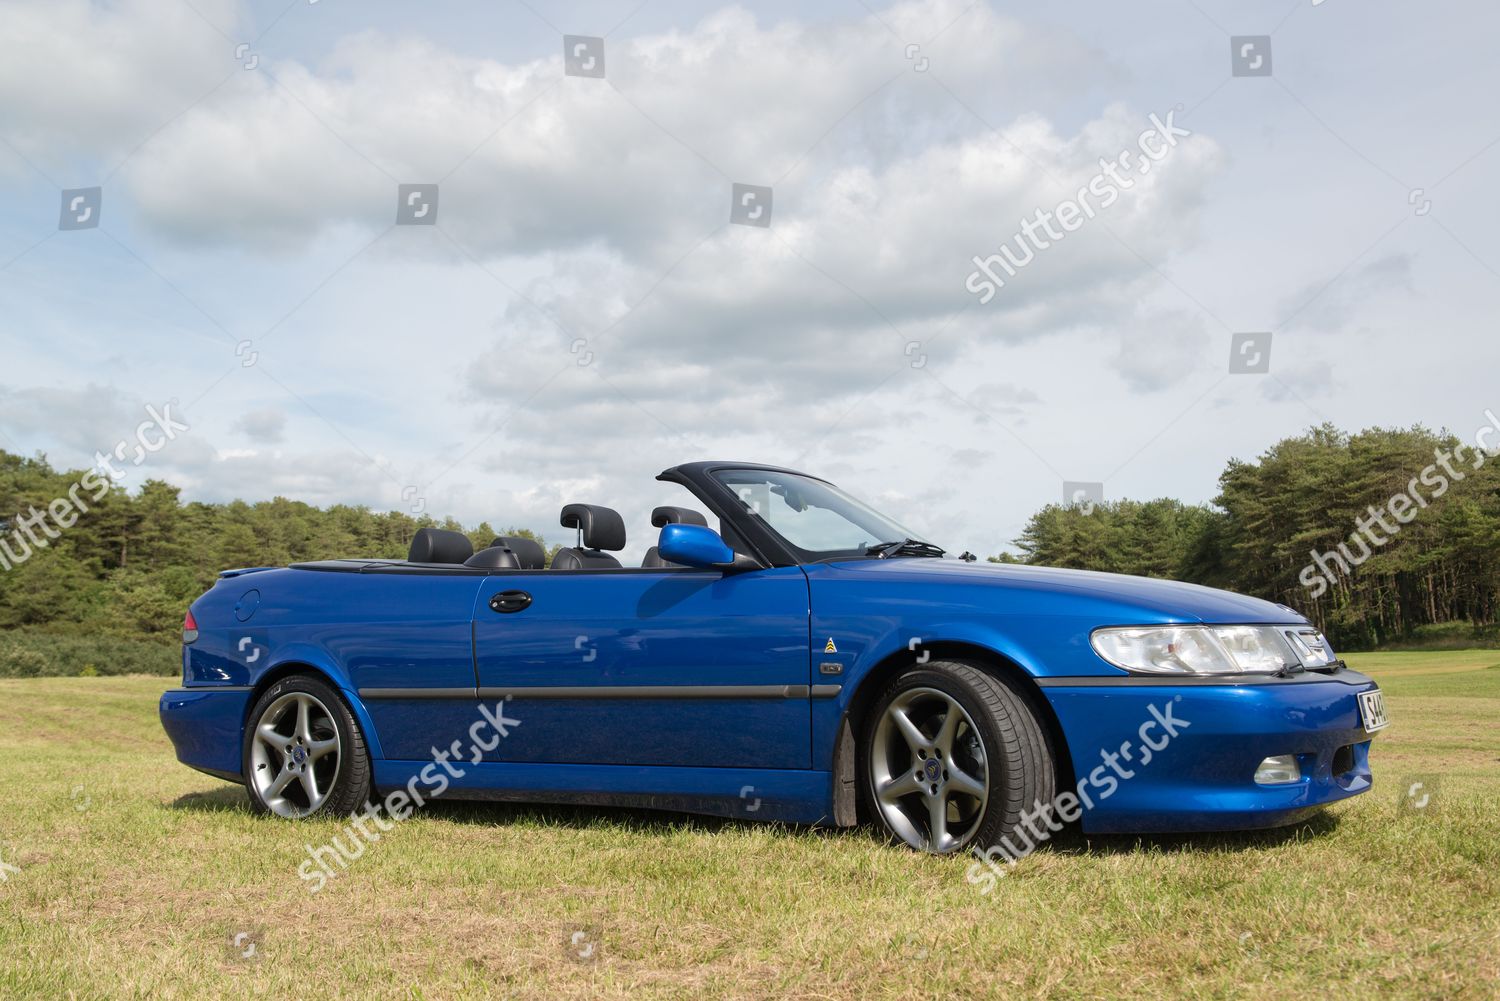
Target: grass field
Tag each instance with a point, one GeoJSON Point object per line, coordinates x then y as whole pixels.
{"type": "Point", "coordinates": [132, 876]}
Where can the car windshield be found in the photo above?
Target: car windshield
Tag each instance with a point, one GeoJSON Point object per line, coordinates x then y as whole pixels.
{"type": "Point", "coordinates": [817, 519]}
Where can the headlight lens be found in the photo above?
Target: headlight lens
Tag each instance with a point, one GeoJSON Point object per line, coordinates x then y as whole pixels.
{"type": "Point", "coordinates": [1195, 649]}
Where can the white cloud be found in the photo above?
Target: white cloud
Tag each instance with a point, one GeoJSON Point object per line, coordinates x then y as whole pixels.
{"type": "Point", "coordinates": [266, 425]}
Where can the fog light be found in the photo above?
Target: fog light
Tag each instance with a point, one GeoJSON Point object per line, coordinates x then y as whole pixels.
{"type": "Point", "coordinates": [1278, 769]}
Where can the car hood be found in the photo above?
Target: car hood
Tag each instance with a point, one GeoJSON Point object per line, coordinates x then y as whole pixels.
{"type": "Point", "coordinates": [1153, 599]}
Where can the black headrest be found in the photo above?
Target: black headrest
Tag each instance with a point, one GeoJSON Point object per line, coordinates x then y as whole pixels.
{"type": "Point", "coordinates": [603, 528]}
{"type": "Point", "coordinates": [438, 545]}
{"type": "Point", "coordinates": [528, 551]}
{"type": "Point", "coordinates": [495, 558]}
{"type": "Point", "coordinates": [663, 516]}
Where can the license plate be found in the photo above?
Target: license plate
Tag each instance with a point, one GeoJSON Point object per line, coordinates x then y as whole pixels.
{"type": "Point", "coordinates": [1372, 710]}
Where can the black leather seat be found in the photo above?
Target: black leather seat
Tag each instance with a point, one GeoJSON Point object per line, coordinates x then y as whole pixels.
{"type": "Point", "coordinates": [530, 552]}
{"type": "Point", "coordinates": [438, 545]}
{"type": "Point", "coordinates": [663, 516]}
{"type": "Point", "coordinates": [599, 528]}
{"type": "Point", "coordinates": [494, 558]}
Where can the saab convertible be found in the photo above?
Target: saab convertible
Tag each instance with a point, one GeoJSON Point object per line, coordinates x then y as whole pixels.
{"type": "Point", "coordinates": [811, 661]}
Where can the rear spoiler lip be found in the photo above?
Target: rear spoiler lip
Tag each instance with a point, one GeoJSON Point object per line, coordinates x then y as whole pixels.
{"type": "Point", "coordinates": [242, 571]}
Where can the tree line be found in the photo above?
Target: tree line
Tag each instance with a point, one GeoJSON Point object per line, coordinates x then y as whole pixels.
{"type": "Point", "coordinates": [1374, 536]}
{"type": "Point", "coordinates": [129, 563]}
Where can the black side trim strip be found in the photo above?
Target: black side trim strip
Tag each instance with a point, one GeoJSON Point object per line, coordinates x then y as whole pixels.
{"type": "Point", "coordinates": [417, 693]}
{"type": "Point", "coordinates": [609, 692]}
{"type": "Point", "coordinates": [826, 691]}
{"type": "Point", "coordinates": [650, 692]}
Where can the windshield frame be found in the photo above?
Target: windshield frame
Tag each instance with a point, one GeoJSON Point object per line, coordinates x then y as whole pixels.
{"type": "Point", "coordinates": [801, 556]}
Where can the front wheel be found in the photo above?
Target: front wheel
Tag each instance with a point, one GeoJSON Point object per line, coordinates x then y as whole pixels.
{"type": "Point", "coordinates": [304, 752]}
{"type": "Point", "coordinates": [952, 756]}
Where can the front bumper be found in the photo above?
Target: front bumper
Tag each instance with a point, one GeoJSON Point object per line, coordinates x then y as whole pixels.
{"type": "Point", "coordinates": [1202, 778]}
{"type": "Point", "coordinates": [207, 727]}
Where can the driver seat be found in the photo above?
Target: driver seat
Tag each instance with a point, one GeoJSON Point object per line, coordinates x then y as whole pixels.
{"type": "Point", "coordinates": [599, 528]}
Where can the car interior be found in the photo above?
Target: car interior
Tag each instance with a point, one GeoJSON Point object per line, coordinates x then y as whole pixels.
{"type": "Point", "coordinates": [601, 532]}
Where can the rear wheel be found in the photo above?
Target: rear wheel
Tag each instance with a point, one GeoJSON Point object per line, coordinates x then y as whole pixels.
{"type": "Point", "coordinates": [304, 752]}
{"type": "Point", "coordinates": [951, 755]}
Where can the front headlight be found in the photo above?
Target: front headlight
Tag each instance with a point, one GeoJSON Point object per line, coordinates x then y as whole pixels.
{"type": "Point", "coordinates": [1195, 649]}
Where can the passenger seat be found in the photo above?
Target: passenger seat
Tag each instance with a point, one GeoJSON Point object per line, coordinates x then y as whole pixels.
{"type": "Point", "coordinates": [599, 528]}
{"type": "Point", "coordinates": [660, 518]}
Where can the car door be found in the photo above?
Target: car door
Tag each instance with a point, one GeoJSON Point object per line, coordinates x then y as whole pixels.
{"type": "Point", "coordinates": [632, 666]}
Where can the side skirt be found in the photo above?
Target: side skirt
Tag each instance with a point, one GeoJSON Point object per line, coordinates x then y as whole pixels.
{"type": "Point", "coordinates": [791, 796]}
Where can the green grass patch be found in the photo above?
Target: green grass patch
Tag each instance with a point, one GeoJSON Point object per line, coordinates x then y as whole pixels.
{"type": "Point", "coordinates": [136, 875]}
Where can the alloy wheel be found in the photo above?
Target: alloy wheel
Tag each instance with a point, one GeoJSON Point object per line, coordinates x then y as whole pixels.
{"type": "Point", "coordinates": [294, 755]}
{"type": "Point", "coordinates": [929, 771]}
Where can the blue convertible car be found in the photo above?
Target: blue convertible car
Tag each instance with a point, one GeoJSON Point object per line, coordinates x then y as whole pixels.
{"type": "Point", "coordinates": [810, 662]}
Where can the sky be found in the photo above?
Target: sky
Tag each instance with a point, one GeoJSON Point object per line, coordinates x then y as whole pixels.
{"type": "Point", "coordinates": [591, 295]}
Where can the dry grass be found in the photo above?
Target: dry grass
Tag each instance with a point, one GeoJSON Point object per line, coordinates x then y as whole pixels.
{"type": "Point", "coordinates": [136, 873]}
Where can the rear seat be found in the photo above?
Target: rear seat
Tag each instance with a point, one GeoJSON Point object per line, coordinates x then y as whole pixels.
{"type": "Point", "coordinates": [439, 545]}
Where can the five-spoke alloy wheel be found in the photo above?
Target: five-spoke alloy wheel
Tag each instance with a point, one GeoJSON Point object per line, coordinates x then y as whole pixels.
{"type": "Point", "coordinates": [304, 752]}
{"type": "Point", "coordinates": [951, 756]}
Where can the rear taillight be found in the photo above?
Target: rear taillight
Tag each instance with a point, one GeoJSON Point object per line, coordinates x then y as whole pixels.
{"type": "Point", "coordinates": [189, 628]}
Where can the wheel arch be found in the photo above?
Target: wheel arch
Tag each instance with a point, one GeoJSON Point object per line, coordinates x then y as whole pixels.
{"type": "Point", "coordinates": [991, 661]}
{"type": "Point", "coordinates": [287, 668]}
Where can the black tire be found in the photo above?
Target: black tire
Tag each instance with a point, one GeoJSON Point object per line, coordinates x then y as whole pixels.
{"type": "Point", "coordinates": [346, 783]}
{"type": "Point", "coordinates": [1018, 761]}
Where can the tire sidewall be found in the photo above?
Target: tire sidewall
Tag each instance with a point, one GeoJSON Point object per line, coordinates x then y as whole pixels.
{"type": "Point", "coordinates": [997, 758]}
